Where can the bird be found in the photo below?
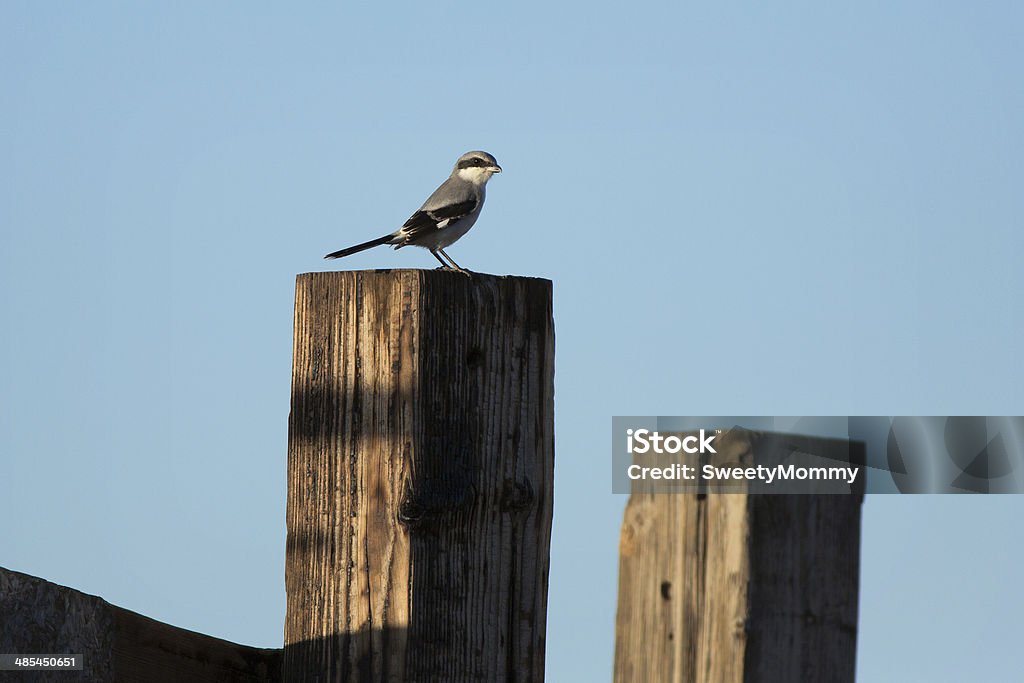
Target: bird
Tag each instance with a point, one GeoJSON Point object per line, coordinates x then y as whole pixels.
{"type": "Point", "coordinates": [447, 215]}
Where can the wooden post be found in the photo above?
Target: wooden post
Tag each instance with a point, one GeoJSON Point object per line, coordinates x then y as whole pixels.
{"type": "Point", "coordinates": [737, 587]}
{"type": "Point", "coordinates": [420, 462]}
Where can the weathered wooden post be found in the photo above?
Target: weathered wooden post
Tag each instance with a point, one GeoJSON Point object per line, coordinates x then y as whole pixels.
{"type": "Point", "coordinates": [420, 463]}
{"type": "Point", "coordinates": [741, 587]}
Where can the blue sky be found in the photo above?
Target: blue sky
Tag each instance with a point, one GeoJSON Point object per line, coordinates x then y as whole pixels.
{"type": "Point", "coordinates": [801, 208]}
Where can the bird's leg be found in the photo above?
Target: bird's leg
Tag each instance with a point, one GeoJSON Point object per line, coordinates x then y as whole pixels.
{"type": "Point", "coordinates": [456, 265]}
{"type": "Point", "coordinates": [443, 264]}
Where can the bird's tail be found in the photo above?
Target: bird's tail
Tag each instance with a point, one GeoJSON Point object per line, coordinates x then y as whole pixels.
{"type": "Point", "coordinates": [360, 247]}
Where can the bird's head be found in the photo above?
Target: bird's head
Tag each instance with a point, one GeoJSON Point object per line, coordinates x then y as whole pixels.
{"type": "Point", "coordinates": [476, 167]}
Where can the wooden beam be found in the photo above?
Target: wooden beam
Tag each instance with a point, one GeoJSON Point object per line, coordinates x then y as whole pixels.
{"type": "Point", "coordinates": [738, 587]}
{"type": "Point", "coordinates": [39, 617]}
{"type": "Point", "coordinates": [420, 466]}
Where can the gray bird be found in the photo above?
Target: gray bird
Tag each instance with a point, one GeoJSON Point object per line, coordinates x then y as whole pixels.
{"type": "Point", "coordinates": [447, 215]}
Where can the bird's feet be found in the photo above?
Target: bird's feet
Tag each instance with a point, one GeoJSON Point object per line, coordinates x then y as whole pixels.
{"type": "Point", "coordinates": [467, 273]}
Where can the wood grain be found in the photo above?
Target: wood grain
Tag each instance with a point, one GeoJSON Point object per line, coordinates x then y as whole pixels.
{"type": "Point", "coordinates": [420, 459]}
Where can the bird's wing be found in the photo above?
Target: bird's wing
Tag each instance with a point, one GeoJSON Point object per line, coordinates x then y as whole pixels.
{"type": "Point", "coordinates": [427, 220]}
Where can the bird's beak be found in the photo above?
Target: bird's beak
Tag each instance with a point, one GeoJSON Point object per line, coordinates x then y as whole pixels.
{"type": "Point", "coordinates": [495, 169]}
